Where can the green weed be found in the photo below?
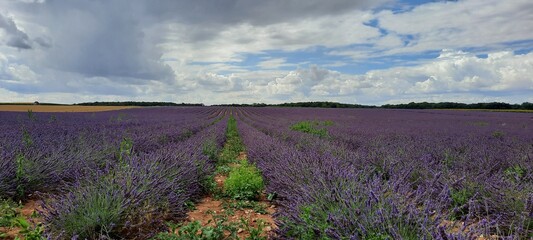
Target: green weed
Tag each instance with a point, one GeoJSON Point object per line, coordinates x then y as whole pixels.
{"type": "Point", "coordinates": [271, 196]}
{"type": "Point", "coordinates": [310, 222]}
{"type": "Point", "coordinates": [245, 204]}
{"type": "Point", "coordinates": [515, 173]}
{"type": "Point", "coordinates": [498, 134]}
{"type": "Point", "coordinates": [223, 169]}
{"type": "Point", "coordinates": [190, 205]}
{"type": "Point", "coordinates": [126, 148]}
{"type": "Point", "coordinates": [19, 174]}
{"type": "Point", "coordinates": [211, 186]}
{"type": "Point", "coordinates": [186, 133]}
{"type": "Point", "coordinates": [26, 137]}
{"type": "Point", "coordinates": [255, 233]}
{"type": "Point", "coordinates": [8, 213]}
{"type": "Point", "coordinates": [31, 115]}
{"type": "Point", "coordinates": [218, 228]}
{"type": "Point", "coordinates": [31, 231]}
{"type": "Point", "coordinates": [10, 218]}
{"type": "Point", "coordinates": [210, 149]}
{"type": "Point", "coordinates": [244, 182]}
{"type": "Point", "coordinates": [233, 146]}
{"type": "Point", "coordinates": [460, 200]}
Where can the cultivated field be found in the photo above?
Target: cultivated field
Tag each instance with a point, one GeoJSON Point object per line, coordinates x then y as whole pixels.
{"type": "Point", "coordinates": [59, 108]}
{"type": "Point", "coordinates": [225, 173]}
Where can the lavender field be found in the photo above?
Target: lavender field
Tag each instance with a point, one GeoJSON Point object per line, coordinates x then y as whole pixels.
{"type": "Point", "coordinates": [332, 173]}
{"type": "Point", "coordinates": [119, 174]}
{"type": "Point", "coordinates": [385, 174]}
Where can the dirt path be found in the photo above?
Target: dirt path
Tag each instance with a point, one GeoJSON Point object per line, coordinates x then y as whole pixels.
{"type": "Point", "coordinates": [209, 209]}
{"type": "Point", "coordinates": [256, 214]}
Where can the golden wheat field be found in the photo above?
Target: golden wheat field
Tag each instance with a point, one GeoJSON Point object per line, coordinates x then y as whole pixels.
{"type": "Point", "coordinates": [60, 108]}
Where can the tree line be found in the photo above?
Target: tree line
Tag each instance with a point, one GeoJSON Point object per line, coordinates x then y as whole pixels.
{"type": "Point", "coordinates": [300, 104]}
{"type": "Point", "coordinates": [141, 104]}
{"type": "Point", "coordinates": [455, 105]}
{"type": "Point", "coordinates": [411, 105]}
{"type": "Point", "coordinates": [323, 104]}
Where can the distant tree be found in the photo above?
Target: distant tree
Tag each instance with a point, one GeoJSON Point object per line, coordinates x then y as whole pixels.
{"type": "Point", "coordinates": [526, 106]}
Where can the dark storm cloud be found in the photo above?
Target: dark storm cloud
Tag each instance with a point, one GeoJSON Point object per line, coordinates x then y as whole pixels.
{"type": "Point", "coordinates": [109, 38]}
{"type": "Point", "coordinates": [15, 37]}
{"type": "Point", "coordinates": [43, 42]}
{"type": "Point", "coordinates": [256, 12]}
{"type": "Point", "coordinates": [97, 39]}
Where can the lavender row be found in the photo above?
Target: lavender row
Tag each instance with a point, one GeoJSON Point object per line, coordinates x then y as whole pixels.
{"type": "Point", "coordinates": [134, 197]}
{"type": "Point", "coordinates": [39, 151]}
{"type": "Point", "coordinates": [442, 173]}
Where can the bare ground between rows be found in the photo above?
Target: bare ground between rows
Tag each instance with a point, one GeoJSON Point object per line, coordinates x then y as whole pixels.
{"type": "Point", "coordinates": [27, 211]}
{"type": "Point", "coordinates": [209, 206]}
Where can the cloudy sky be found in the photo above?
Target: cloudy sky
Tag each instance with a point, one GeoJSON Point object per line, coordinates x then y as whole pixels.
{"type": "Point", "coordinates": [246, 51]}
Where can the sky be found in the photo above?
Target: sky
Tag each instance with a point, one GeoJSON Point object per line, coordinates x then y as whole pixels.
{"type": "Point", "coordinates": [255, 51]}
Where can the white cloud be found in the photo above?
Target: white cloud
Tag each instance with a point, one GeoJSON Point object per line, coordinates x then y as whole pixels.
{"type": "Point", "coordinates": [228, 44]}
{"type": "Point", "coordinates": [501, 73]}
{"type": "Point", "coordinates": [22, 73]}
{"type": "Point", "coordinates": [453, 76]}
{"type": "Point", "coordinates": [197, 51]}
{"type": "Point", "coordinates": [486, 25]}
{"type": "Point", "coordinates": [468, 23]}
{"type": "Point", "coordinates": [273, 63]}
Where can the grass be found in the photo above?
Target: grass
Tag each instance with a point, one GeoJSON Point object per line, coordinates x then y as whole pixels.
{"type": "Point", "coordinates": [312, 127]}
{"type": "Point", "coordinates": [233, 147]}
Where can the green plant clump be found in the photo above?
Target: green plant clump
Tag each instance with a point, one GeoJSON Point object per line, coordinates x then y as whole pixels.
{"type": "Point", "coordinates": [126, 148]}
{"type": "Point", "coordinates": [460, 200]}
{"type": "Point", "coordinates": [244, 182]}
{"type": "Point", "coordinates": [515, 173]}
{"type": "Point", "coordinates": [244, 204]}
{"type": "Point", "coordinates": [8, 213]}
{"type": "Point", "coordinates": [312, 127]}
{"type": "Point", "coordinates": [498, 134]}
